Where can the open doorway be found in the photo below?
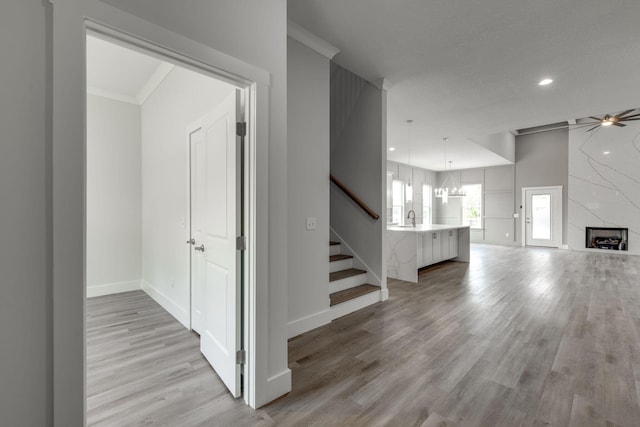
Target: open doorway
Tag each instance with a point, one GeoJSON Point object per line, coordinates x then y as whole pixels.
{"type": "Point", "coordinates": [141, 111]}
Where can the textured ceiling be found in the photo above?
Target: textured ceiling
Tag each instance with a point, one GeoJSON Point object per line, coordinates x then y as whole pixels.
{"type": "Point", "coordinates": [467, 69]}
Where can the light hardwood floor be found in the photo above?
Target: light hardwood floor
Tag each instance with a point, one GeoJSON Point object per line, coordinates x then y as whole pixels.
{"type": "Point", "coordinates": [517, 337]}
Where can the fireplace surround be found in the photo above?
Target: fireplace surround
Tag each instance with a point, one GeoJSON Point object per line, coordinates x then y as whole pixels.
{"type": "Point", "coordinates": [609, 238]}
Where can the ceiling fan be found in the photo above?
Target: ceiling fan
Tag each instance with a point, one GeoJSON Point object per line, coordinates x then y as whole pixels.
{"type": "Point", "coordinates": [608, 120]}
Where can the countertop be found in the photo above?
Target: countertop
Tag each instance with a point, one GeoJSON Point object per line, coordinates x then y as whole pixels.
{"type": "Point", "coordinates": [423, 228]}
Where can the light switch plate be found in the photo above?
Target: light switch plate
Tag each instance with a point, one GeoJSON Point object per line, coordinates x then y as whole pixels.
{"type": "Point", "coordinates": [516, 215]}
{"type": "Point", "coordinates": [311, 223]}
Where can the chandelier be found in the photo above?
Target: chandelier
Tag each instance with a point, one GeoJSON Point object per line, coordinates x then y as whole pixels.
{"type": "Point", "coordinates": [449, 186]}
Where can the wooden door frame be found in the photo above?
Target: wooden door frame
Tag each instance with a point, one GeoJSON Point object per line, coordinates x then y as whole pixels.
{"type": "Point", "coordinates": [72, 19]}
{"type": "Point", "coordinates": [524, 211]}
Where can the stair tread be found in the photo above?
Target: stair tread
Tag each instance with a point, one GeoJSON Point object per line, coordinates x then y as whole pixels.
{"type": "Point", "coordinates": [351, 293]}
{"type": "Point", "coordinates": [339, 257]}
{"type": "Point", "coordinates": [333, 243]}
{"type": "Point", "coordinates": [343, 274]}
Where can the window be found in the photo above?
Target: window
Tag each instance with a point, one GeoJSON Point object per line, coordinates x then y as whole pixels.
{"type": "Point", "coordinates": [427, 192]}
{"type": "Point", "coordinates": [472, 206]}
{"type": "Point", "coordinates": [397, 201]}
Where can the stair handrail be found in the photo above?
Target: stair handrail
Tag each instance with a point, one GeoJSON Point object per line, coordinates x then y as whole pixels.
{"type": "Point", "coordinates": [355, 198]}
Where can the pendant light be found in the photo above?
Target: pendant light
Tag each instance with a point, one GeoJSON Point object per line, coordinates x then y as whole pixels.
{"type": "Point", "coordinates": [409, 122]}
{"type": "Point", "coordinates": [453, 189]}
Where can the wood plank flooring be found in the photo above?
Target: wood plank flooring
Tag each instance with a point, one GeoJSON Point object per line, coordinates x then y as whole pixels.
{"type": "Point", "coordinates": [351, 293]}
{"type": "Point", "coordinates": [517, 337]}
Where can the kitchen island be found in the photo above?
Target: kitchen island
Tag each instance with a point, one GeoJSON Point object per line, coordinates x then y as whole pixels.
{"type": "Point", "coordinates": [411, 248]}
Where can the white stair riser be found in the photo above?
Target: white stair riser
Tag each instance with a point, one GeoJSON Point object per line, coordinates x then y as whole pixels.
{"type": "Point", "coordinates": [349, 282]}
{"type": "Point", "coordinates": [334, 249]}
{"type": "Point", "coordinates": [352, 305]}
{"type": "Point", "coordinates": [343, 264]}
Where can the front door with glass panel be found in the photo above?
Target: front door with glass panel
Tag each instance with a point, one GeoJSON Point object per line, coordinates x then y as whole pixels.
{"type": "Point", "coordinates": [543, 216]}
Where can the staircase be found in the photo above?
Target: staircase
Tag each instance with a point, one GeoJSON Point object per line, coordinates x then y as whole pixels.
{"type": "Point", "coordinates": [348, 287]}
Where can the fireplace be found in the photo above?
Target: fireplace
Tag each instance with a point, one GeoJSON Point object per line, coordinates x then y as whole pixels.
{"type": "Point", "coordinates": [610, 238]}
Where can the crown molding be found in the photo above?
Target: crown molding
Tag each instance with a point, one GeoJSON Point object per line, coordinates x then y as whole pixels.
{"type": "Point", "coordinates": [382, 84]}
{"type": "Point", "coordinates": [310, 40]}
{"type": "Point", "coordinates": [111, 95]}
{"type": "Point", "coordinates": [154, 81]}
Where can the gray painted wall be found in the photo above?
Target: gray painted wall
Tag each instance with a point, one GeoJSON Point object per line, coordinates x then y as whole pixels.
{"type": "Point", "coordinates": [542, 159]}
{"type": "Point", "coordinates": [114, 191]}
{"type": "Point", "coordinates": [308, 85]}
{"type": "Point", "coordinates": [356, 160]}
{"type": "Point", "coordinates": [25, 209]}
{"type": "Point", "coordinates": [497, 203]}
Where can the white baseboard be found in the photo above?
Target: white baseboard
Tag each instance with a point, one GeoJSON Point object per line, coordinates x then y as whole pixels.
{"type": "Point", "coordinates": [167, 303]}
{"type": "Point", "coordinates": [384, 294]}
{"type": "Point", "coordinates": [112, 288]}
{"type": "Point", "coordinates": [300, 326]}
{"type": "Point", "coordinates": [277, 385]}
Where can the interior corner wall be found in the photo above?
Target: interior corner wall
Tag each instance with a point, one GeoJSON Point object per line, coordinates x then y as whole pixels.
{"type": "Point", "coordinates": [26, 397]}
{"type": "Point", "coordinates": [542, 159]}
{"type": "Point", "coordinates": [356, 160]}
{"type": "Point", "coordinates": [113, 248]}
{"type": "Point", "coordinates": [183, 97]}
{"type": "Point", "coordinates": [604, 189]}
{"type": "Point", "coordinates": [308, 187]}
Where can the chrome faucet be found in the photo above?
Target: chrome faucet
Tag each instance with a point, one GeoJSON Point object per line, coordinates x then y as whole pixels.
{"type": "Point", "coordinates": [413, 218]}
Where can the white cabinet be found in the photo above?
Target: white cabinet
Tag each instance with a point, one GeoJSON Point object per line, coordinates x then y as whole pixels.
{"type": "Point", "coordinates": [436, 239]}
{"type": "Point", "coordinates": [436, 246]}
{"type": "Point", "coordinates": [453, 243]}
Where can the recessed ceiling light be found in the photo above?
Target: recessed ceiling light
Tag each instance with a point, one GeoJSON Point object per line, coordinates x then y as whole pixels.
{"type": "Point", "coordinates": [392, 149]}
{"type": "Point", "coordinates": [606, 152]}
{"type": "Point", "coordinates": [545, 82]}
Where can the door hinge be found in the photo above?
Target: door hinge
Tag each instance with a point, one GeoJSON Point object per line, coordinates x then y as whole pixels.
{"type": "Point", "coordinates": [241, 243]}
{"type": "Point", "coordinates": [241, 128]}
{"type": "Point", "coordinates": [241, 355]}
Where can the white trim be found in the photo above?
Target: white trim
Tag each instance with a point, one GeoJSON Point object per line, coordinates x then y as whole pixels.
{"type": "Point", "coordinates": [278, 385]}
{"type": "Point", "coordinates": [358, 262]}
{"type": "Point", "coordinates": [167, 303]}
{"type": "Point", "coordinates": [304, 324]}
{"type": "Point", "coordinates": [96, 91]}
{"type": "Point", "coordinates": [382, 84]}
{"type": "Point", "coordinates": [310, 40]}
{"type": "Point", "coordinates": [113, 288]}
{"type": "Point", "coordinates": [523, 215]}
{"type": "Point", "coordinates": [72, 19]}
{"type": "Point", "coordinates": [154, 81]}
{"type": "Point", "coordinates": [137, 33]}
{"type": "Point", "coordinates": [384, 294]}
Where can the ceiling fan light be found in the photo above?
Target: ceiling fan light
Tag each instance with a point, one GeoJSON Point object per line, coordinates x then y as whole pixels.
{"type": "Point", "coordinates": [545, 82]}
{"type": "Point", "coordinates": [607, 122]}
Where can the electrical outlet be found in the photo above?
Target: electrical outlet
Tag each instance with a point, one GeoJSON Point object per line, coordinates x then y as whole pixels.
{"type": "Point", "coordinates": [311, 223]}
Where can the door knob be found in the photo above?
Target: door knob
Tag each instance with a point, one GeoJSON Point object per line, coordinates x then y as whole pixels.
{"type": "Point", "coordinates": [199, 248]}
{"type": "Point", "coordinates": [191, 241]}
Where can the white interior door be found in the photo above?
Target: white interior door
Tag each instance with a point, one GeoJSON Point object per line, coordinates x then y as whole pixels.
{"type": "Point", "coordinates": [543, 216]}
{"type": "Point", "coordinates": [198, 213]}
{"type": "Point", "coordinates": [216, 194]}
